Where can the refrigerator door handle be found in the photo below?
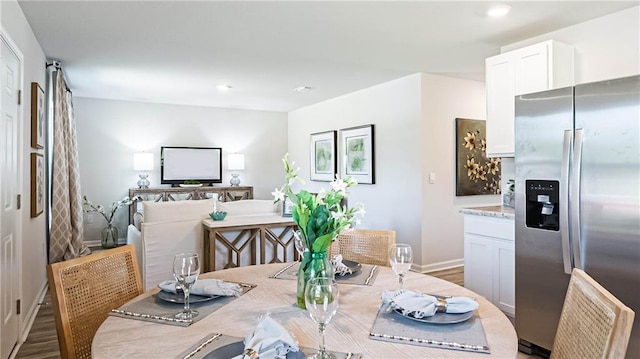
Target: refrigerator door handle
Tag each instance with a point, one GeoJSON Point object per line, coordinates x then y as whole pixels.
{"type": "Point", "coordinates": [574, 198]}
{"type": "Point", "coordinates": [567, 144]}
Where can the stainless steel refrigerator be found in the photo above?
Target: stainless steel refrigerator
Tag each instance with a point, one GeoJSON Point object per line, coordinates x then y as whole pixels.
{"type": "Point", "coordinates": [577, 161]}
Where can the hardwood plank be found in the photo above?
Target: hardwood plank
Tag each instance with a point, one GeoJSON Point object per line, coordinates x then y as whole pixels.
{"type": "Point", "coordinates": [42, 341]}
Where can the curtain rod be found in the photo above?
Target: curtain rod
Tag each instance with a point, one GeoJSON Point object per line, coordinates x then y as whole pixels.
{"type": "Point", "coordinates": [58, 67]}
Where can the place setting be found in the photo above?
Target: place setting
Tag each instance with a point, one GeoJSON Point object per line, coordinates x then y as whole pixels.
{"type": "Point", "coordinates": [423, 319]}
{"type": "Point", "coordinates": [186, 299]}
{"type": "Point", "coordinates": [271, 340]}
{"type": "Point", "coordinates": [345, 271]}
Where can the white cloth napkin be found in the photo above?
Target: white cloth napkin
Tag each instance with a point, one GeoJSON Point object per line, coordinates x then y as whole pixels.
{"type": "Point", "coordinates": [269, 340]}
{"type": "Point", "coordinates": [206, 287]}
{"type": "Point", "coordinates": [420, 305]}
{"type": "Point", "coordinates": [339, 267]}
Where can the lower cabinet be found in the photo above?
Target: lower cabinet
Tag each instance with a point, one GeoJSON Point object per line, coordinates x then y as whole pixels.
{"type": "Point", "coordinates": [489, 259]}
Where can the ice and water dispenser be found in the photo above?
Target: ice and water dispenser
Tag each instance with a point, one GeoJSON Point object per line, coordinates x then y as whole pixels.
{"type": "Point", "coordinates": [542, 206]}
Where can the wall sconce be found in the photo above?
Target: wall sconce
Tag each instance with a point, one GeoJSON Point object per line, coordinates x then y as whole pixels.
{"type": "Point", "coordinates": [143, 161]}
{"type": "Point", "coordinates": [235, 163]}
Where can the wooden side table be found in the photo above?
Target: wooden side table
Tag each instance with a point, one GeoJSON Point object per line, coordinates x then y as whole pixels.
{"type": "Point", "coordinates": [269, 235]}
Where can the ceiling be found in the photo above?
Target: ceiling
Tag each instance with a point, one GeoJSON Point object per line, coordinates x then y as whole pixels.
{"type": "Point", "coordinates": [179, 51]}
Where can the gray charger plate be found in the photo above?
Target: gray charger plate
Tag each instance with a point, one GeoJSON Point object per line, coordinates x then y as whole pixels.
{"type": "Point", "coordinates": [440, 318]}
{"type": "Point", "coordinates": [179, 298]}
{"type": "Point", "coordinates": [237, 348]}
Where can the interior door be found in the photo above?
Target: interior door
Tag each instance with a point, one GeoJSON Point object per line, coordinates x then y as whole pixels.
{"type": "Point", "coordinates": [9, 132]}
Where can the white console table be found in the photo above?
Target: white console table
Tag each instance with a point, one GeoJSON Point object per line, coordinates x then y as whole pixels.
{"type": "Point", "coordinates": [269, 235]}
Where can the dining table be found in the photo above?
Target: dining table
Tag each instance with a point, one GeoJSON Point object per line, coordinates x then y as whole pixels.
{"type": "Point", "coordinates": [348, 332]}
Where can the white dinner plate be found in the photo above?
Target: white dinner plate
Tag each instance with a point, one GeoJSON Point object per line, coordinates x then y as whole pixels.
{"type": "Point", "coordinates": [179, 298]}
{"type": "Point", "coordinates": [440, 318]}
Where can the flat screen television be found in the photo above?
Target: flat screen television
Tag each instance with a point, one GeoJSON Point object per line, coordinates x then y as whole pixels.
{"type": "Point", "coordinates": [180, 164]}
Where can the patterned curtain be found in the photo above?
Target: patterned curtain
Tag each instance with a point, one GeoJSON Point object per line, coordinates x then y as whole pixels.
{"type": "Point", "coordinates": [66, 200]}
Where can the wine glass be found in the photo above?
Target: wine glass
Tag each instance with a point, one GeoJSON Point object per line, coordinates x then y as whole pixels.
{"type": "Point", "coordinates": [321, 298]}
{"type": "Point", "coordinates": [400, 258]}
{"type": "Point", "coordinates": [186, 267]}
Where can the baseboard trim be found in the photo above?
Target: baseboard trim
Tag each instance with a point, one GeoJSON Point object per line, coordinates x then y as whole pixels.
{"type": "Point", "coordinates": [434, 267]}
{"type": "Point", "coordinates": [93, 244]}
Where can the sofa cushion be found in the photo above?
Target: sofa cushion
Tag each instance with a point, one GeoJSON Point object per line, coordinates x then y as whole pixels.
{"type": "Point", "coordinates": [177, 210]}
{"type": "Point", "coordinates": [248, 207]}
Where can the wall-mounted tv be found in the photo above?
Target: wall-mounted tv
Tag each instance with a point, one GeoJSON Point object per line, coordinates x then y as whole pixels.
{"type": "Point", "coordinates": [180, 164]}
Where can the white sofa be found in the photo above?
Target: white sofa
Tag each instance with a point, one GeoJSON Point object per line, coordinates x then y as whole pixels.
{"type": "Point", "coordinates": [175, 227]}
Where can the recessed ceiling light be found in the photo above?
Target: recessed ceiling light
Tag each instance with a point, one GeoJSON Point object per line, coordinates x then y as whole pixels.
{"type": "Point", "coordinates": [498, 10]}
{"type": "Point", "coordinates": [302, 89]}
{"type": "Point", "coordinates": [224, 88]}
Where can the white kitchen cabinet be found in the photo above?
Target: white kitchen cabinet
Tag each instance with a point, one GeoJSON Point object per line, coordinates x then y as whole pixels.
{"type": "Point", "coordinates": [543, 66]}
{"type": "Point", "coordinates": [489, 259]}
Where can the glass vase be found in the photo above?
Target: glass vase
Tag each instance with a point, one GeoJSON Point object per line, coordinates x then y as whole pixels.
{"type": "Point", "coordinates": [109, 236]}
{"type": "Point", "coordinates": [313, 264]}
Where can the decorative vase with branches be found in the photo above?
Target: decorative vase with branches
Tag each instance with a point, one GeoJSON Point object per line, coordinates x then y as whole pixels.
{"type": "Point", "coordinates": [110, 232]}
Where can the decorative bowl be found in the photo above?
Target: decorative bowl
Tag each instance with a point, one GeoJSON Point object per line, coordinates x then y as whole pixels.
{"type": "Point", "coordinates": [218, 216]}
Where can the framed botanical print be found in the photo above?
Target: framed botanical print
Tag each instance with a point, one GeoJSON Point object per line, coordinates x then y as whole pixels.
{"type": "Point", "coordinates": [322, 149]}
{"type": "Point", "coordinates": [287, 207]}
{"type": "Point", "coordinates": [358, 153]}
{"type": "Point", "coordinates": [37, 116]}
{"type": "Point", "coordinates": [37, 184]}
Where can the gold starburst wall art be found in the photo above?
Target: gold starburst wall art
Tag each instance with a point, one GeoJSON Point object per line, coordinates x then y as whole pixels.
{"type": "Point", "coordinates": [475, 173]}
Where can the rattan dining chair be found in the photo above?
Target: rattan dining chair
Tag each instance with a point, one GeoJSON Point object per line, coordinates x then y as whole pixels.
{"type": "Point", "coordinates": [593, 323]}
{"type": "Point", "coordinates": [85, 289]}
{"type": "Point", "coordinates": [366, 246]}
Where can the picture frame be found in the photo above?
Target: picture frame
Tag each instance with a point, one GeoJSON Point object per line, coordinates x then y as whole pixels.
{"type": "Point", "coordinates": [323, 160]}
{"type": "Point", "coordinates": [287, 207]}
{"type": "Point", "coordinates": [475, 173]}
{"type": "Point", "coordinates": [358, 153]}
{"type": "Point", "coordinates": [37, 116]}
{"type": "Point", "coordinates": [37, 184]}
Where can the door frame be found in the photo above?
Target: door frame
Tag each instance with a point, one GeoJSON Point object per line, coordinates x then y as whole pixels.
{"type": "Point", "coordinates": [4, 36]}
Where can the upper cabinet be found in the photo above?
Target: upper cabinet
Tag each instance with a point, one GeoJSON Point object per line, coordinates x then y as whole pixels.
{"type": "Point", "coordinates": [534, 68]}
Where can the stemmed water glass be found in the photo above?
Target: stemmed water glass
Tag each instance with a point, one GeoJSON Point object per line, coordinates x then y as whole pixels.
{"type": "Point", "coordinates": [400, 258]}
{"type": "Point", "coordinates": [186, 267]}
{"type": "Point", "coordinates": [321, 298]}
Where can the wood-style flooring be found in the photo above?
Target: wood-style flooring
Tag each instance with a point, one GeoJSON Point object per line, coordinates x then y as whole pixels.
{"type": "Point", "coordinates": [42, 342]}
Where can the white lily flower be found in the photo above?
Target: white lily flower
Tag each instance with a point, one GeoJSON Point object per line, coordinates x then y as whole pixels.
{"type": "Point", "coordinates": [360, 212]}
{"type": "Point", "coordinates": [336, 215]}
{"type": "Point", "coordinates": [339, 186]}
{"type": "Point", "coordinates": [278, 195]}
{"type": "Point", "coordinates": [358, 222]}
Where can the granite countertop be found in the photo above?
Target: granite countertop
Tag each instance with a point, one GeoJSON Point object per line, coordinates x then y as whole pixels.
{"type": "Point", "coordinates": [491, 211]}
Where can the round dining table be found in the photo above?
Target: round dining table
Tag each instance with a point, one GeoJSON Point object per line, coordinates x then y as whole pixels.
{"type": "Point", "coordinates": [347, 332]}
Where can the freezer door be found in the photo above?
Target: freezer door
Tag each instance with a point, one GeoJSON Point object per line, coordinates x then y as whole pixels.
{"type": "Point", "coordinates": [541, 282]}
{"type": "Point", "coordinates": [608, 191]}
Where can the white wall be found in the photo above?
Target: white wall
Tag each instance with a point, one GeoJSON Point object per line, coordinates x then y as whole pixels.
{"type": "Point", "coordinates": [393, 203]}
{"type": "Point", "coordinates": [110, 132]}
{"type": "Point", "coordinates": [443, 100]}
{"type": "Point", "coordinates": [414, 118]}
{"type": "Point", "coordinates": [605, 48]}
{"type": "Point", "coordinates": [33, 237]}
